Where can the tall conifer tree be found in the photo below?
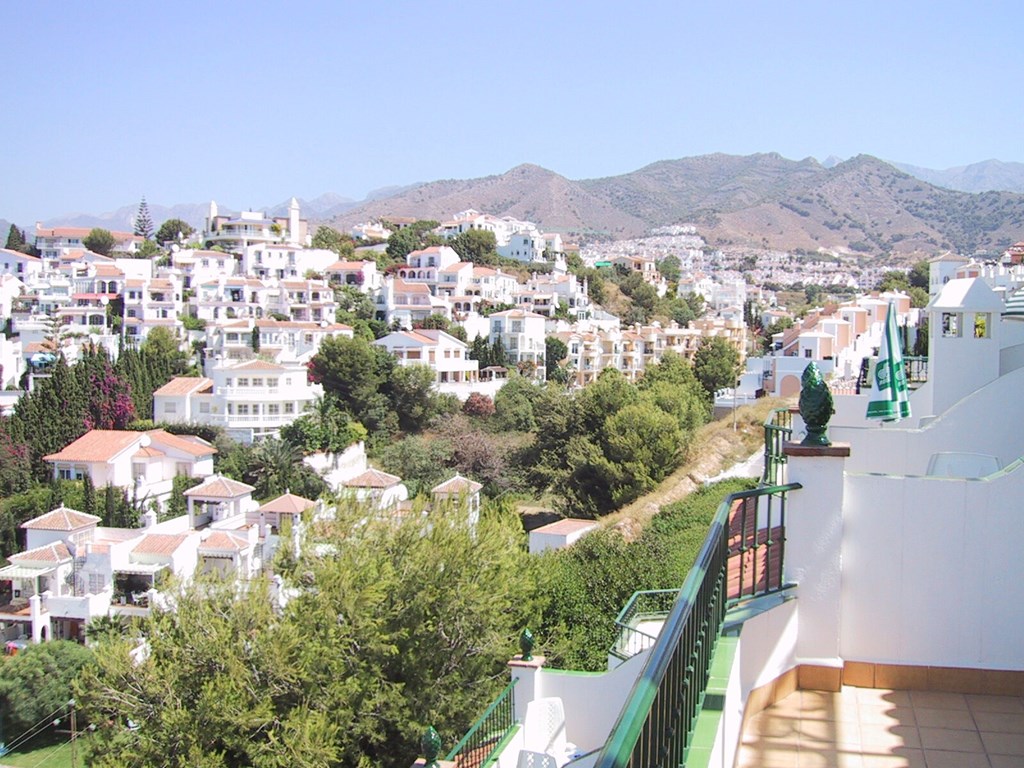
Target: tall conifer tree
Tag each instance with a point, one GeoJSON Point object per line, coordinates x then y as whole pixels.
{"type": "Point", "coordinates": [143, 221]}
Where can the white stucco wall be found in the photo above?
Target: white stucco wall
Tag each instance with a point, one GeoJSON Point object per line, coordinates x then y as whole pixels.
{"type": "Point", "coordinates": [931, 571]}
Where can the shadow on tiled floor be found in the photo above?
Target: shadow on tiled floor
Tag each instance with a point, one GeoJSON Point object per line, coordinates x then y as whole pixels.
{"type": "Point", "coordinates": [872, 728]}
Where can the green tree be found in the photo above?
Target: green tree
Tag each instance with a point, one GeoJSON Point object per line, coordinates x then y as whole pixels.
{"type": "Point", "coordinates": [353, 370]}
{"type": "Point", "coordinates": [669, 267]}
{"type": "Point", "coordinates": [920, 275]}
{"type": "Point", "coordinates": [16, 240]}
{"type": "Point", "coordinates": [716, 364]}
{"type": "Point", "coordinates": [894, 280]}
{"type": "Point", "coordinates": [403, 624]}
{"type": "Point", "coordinates": [476, 245]}
{"type": "Point", "coordinates": [36, 683]}
{"type": "Point", "coordinates": [276, 466]}
{"type": "Point", "coordinates": [324, 427]}
{"type": "Point", "coordinates": [513, 405]}
{"type": "Point", "coordinates": [143, 221]}
{"type": "Point", "coordinates": [99, 241]}
{"type": "Point", "coordinates": [414, 237]}
{"type": "Point", "coordinates": [555, 351]}
{"type": "Point", "coordinates": [174, 231]}
{"type": "Point", "coordinates": [331, 239]}
{"type": "Point", "coordinates": [422, 462]}
{"type": "Point", "coordinates": [411, 391]}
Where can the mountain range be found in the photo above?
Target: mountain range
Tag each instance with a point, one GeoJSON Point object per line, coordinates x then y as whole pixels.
{"type": "Point", "coordinates": [862, 204]}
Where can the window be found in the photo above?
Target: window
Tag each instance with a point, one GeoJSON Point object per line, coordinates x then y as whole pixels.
{"type": "Point", "coordinates": [951, 324]}
{"type": "Point", "coordinates": [170, 407]}
{"type": "Point", "coordinates": [96, 583]}
{"type": "Point", "coordinates": [243, 381]}
{"type": "Point", "coordinates": [64, 473]}
{"type": "Point", "coordinates": [243, 409]}
{"type": "Point", "coordinates": [271, 382]}
{"type": "Point", "coordinates": [182, 468]}
{"type": "Point", "coordinates": [273, 409]}
{"type": "Point", "coordinates": [138, 470]}
{"type": "Point", "coordinates": [204, 407]}
{"type": "Point", "coordinates": [289, 407]}
{"type": "Point", "coordinates": [982, 323]}
{"type": "Point", "coordinates": [808, 352]}
{"type": "Point", "coordinates": [257, 382]}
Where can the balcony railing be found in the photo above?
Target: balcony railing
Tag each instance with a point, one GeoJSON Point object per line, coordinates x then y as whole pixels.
{"type": "Point", "coordinates": [778, 430]}
{"type": "Point", "coordinates": [647, 605]}
{"type": "Point", "coordinates": [483, 742]}
{"type": "Point", "coordinates": [655, 727]}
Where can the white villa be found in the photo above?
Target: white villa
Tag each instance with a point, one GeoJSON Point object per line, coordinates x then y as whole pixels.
{"type": "Point", "coordinates": [446, 356]}
{"type": "Point", "coordinates": [522, 334]}
{"type": "Point", "coordinates": [249, 399]}
{"type": "Point", "coordinates": [146, 462]}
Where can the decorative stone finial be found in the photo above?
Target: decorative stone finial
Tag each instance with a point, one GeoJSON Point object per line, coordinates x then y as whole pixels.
{"type": "Point", "coordinates": [430, 745]}
{"type": "Point", "coordinates": [526, 644]}
{"type": "Point", "coordinates": [816, 406]}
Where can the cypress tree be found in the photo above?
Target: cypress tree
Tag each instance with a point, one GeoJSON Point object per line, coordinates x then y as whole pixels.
{"type": "Point", "coordinates": [15, 239]}
{"type": "Point", "coordinates": [143, 221]}
{"type": "Point", "coordinates": [88, 496]}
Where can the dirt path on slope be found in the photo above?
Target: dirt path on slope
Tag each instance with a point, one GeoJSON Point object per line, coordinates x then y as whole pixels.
{"type": "Point", "coordinates": [715, 448]}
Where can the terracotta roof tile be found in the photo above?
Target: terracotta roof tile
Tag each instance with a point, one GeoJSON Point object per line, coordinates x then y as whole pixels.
{"type": "Point", "coordinates": [55, 552]}
{"type": "Point", "coordinates": [224, 541]}
{"type": "Point", "coordinates": [184, 385]}
{"type": "Point", "coordinates": [288, 503]}
{"type": "Point", "coordinates": [190, 444]}
{"type": "Point", "coordinates": [219, 487]}
{"type": "Point", "coordinates": [96, 445]}
{"type": "Point", "coordinates": [61, 519]}
{"type": "Point", "coordinates": [257, 365]}
{"type": "Point", "coordinates": [373, 478]}
{"type": "Point", "coordinates": [457, 484]}
{"type": "Point", "coordinates": [159, 544]}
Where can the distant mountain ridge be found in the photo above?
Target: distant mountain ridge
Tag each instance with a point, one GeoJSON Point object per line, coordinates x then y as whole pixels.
{"type": "Point", "coordinates": [986, 176]}
{"type": "Point", "coordinates": [765, 201]}
{"type": "Point", "coordinates": [862, 204]}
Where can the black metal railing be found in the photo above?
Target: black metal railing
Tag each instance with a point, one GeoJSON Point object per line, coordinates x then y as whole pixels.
{"type": "Point", "coordinates": [485, 738]}
{"type": "Point", "coordinates": [778, 430]}
{"type": "Point", "coordinates": [655, 727]}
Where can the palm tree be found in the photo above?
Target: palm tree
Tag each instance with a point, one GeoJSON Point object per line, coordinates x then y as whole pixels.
{"type": "Point", "coordinates": [275, 467]}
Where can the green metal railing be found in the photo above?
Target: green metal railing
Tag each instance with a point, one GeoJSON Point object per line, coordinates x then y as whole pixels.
{"type": "Point", "coordinates": [778, 430]}
{"type": "Point", "coordinates": [631, 640]}
{"type": "Point", "coordinates": [655, 727]}
{"type": "Point", "coordinates": [485, 739]}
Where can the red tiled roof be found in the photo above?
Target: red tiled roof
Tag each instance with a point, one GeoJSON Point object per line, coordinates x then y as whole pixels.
{"type": "Point", "coordinates": [457, 484]}
{"type": "Point", "coordinates": [55, 552]}
{"type": "Point", "coordinates": [190, 444]}
{"type": "Point", "coordinates": [373, 478]}
{"type": "Point", "coordinates": [257, 365]}
{"type": "Point", "coordinates": [61, 519]}
{"type": "Point", "coordinates": [159, 543]}
{"type": "Point", "coordinates": [224, 541]}
{"type": "Point", "coordinates": [288, 503]}
{"type": "Point", "coordinates": [184, 385]}
{"type": "Point", "coordinates": [219, 487]}
{"type": "Point", "coordinates": [566, 527]}
{"type": "Point", "coordinates": [96, 445]}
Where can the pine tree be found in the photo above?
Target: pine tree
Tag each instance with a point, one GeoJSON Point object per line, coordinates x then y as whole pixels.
{"type": "Point", "coordinates": [15, 239]}
{"type": "Point", "coordinates": [143, 221]}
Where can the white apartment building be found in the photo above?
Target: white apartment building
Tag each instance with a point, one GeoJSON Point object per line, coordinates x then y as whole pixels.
{"type": "Point", "coordinates": [522, 334]}
{"type": "Point", "coordinates": [20, 265]}
{"type": "Point", "coordinates": [446, 356]}
{"type": "Point", "coordinates": [249, 400]}
{"type": "Point", "coordinates": [284, 260]}
{"type": "Point", "coordinates": [55, 242]}
{"type": "Point", "coordinates": [197, 267]}
{"type": "Point", "coordinates": [281, 341]}
{"type": "Point", "coordinates": [235, 234]}
{"type": "Point", "coordinates": [363, 275]}
{"type": "Point", "coordinates": [303, 301]}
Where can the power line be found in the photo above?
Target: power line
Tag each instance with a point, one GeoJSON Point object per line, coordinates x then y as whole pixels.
{"type": "Point", "coordinates": [34, 730]}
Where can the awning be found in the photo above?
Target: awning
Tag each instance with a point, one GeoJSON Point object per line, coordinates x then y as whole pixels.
{"type": "Point", "coordinates": [141, 569]}
{"type": "Point", "coordinates": [23, 572]}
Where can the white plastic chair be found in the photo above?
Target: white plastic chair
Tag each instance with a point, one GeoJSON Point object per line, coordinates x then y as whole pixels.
{"type": "Point", "coordinates": [528, 759]}
{"type": "Point", "coordinates": [544, 730]}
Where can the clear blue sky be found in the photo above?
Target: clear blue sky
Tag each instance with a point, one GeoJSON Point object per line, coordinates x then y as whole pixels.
{"type": "Point", "coordinates": [191, 101]}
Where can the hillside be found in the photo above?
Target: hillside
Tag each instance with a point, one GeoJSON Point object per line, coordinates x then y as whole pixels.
{"type": "Point", "coordinates": [526, 192]}
{"type": "Point", "coordinates": [860, 205]}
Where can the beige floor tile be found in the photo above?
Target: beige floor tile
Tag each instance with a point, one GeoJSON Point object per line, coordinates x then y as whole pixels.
{"type": "Point", "coordinates": [895, 758]}
{"type": "Point", "coordinates": [940, 759]}
{"type": "Point", "coordinates": [935, 700]}
{"type": "Point", "coordinates": [946, 740]}
{"type": "Point", "coordinates": [979, 703]}
{"type": "Point", "coordinates": [883, 696]}
{"type": "Point", "coordinates": [890, 738]}
{"type": "Point", "coordinates": [1006, 761]}
{"type": "Point", "coordinates": [758, 757]}
{"type": "Point", "coordinates": [953, 719]}
{"type": "Point", "coordinates": [1000, 722]}
{"type": "Point", "coordinates": [886, 715]}
{"type": "Point", "coordinates": [1004, 743]}
{"type": "Point", "coordinates": [825, 757]}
